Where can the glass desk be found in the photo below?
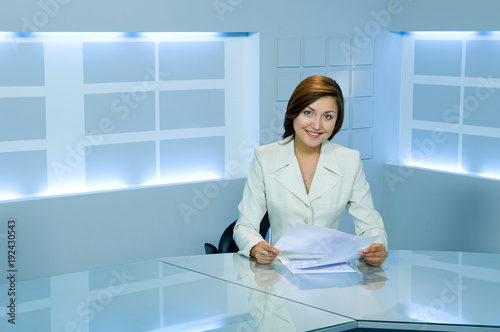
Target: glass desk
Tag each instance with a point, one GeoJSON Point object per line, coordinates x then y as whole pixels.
{"type": "Point", "coordinates": [153, 296]}
{"type": "Point", "coordinates": [413, 290]}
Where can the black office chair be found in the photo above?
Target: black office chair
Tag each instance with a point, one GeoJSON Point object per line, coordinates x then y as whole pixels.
{"type": "Point", "coordinates": [226, 242]}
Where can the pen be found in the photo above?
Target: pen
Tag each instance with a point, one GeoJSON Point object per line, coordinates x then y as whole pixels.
{"type": "Point", "coordinates": [269, 240]}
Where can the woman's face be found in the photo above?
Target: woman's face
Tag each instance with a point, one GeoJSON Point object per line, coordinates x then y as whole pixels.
{"type": "Point", "coordinates": [315, 123]}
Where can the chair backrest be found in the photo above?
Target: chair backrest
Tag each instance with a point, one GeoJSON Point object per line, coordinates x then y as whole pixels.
{"type": "Point", "coordinates": [226, 242]}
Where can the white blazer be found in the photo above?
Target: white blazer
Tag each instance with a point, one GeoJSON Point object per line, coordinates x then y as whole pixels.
{"type": "Point", "coordinates": [275, 185]}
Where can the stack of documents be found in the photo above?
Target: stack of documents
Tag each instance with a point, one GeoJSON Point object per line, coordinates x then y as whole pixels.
{"type": "Point", "coordinates": [315, 249]}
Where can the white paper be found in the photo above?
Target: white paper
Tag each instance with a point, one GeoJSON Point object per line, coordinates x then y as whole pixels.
{"type": "Point", "coordinates": [315, 249]}
{"type": "Point", "coordinates": [293, 266]}
{"type": "Point", "coordinates": [312, 239]}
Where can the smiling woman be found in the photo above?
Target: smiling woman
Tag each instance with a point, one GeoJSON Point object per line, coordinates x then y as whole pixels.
{"type": "Point", "coordinates": [307, 179]}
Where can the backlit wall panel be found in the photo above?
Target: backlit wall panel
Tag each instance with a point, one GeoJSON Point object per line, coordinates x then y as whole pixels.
{"type": "Point", "coordinates": [82, 112]}
{"type": "Point", "coordinates": [450, 113]}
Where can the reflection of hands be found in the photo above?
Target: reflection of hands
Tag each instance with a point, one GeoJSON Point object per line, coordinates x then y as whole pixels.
{"type": "Point", "coordinates": [374, 254]}
{"type": "Point", "coordinates": [265, 275]}
{"type": "Point", "coordinates": [264, 252]}
{"type": "Point", "coordinates": [373, 277]}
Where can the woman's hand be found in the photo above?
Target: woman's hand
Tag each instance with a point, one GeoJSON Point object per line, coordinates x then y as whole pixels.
{"type": "Point", "coordinates": [264, 253]}
{"type": "Point", "coordinates": [374, 255]}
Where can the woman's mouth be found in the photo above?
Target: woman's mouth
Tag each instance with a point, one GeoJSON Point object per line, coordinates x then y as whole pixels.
{"type": "Point", "coordinates": [313, 134]}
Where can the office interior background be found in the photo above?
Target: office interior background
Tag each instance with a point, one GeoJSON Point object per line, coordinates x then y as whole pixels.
{"type": "Point", "coordinates": [127, 127]}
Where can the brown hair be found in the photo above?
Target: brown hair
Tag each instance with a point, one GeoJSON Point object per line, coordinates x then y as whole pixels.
{"type": "Point", "coordinates": [306, 93]}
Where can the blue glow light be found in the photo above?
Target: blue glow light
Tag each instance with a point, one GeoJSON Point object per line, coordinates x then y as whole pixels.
{"type": "Point", "coordinates": [79, 35]}
{"type": "Point", "coordinates": [450, 34]}
{"type": "Point", "coordinates": [490, 176]}
{"type": "Point", "coordinates": [12, 196]}
{"type": "Point", "coordinates": [484, 175]}
{"type": "Point", "coordinates": [435, 167]}
{"type": "Point", "coordinates": [119, 35]}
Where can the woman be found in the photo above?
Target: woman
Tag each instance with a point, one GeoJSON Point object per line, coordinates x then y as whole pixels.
{"type": "Point", "coordinates": [306, 178]}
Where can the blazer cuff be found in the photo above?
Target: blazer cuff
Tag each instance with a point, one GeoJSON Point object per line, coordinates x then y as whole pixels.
{"type": "Point", "coordinates": [246, 251]}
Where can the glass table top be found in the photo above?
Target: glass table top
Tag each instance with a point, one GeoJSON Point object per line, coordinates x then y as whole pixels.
{"type": "Point", "coordinates": [441, 290]}
{"type": "Point", "coordinates": [153, 296]}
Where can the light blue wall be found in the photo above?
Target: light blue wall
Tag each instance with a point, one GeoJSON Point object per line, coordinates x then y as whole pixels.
{"type": "Point", "coordinates": [64, 234]}
{"type": "Point", "coordinates": [431, 210]}
{"type": "Point", "coordinates": [71, 233]}
{"type": "Point", "coordinates": [446, 15]}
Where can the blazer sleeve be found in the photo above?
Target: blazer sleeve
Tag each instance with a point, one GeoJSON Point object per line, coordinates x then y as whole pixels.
{"type": "Point", "coordinates": [367, 221]}
{"type": "Point", "coordinates": [252, 209]}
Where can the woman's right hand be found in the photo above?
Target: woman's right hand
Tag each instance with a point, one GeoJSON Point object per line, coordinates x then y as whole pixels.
{"type": "Point", "coordinates": [264, 252]}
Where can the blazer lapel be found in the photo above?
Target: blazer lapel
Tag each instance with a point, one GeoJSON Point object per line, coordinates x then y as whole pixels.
{"type": "Point", "coordinates": [287, 171]}
{"type": "Point", "coordinates": [327, 172]}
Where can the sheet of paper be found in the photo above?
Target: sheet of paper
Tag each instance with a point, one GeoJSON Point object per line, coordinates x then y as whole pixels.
{"type": "Point", "coordinates": [343, 253]}
{"type": "Point", "coordinates": [303, 238]}
{"type": "Point", "coordinates": [293, 265]}
{"type": "Point", "coordinates": [314, 249]}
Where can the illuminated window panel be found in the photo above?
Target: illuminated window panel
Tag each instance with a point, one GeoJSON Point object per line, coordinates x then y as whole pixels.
{"type": "Point", "coordinates": [93, 111]}
{"type": "Point", "coordinates": [120, 165]}
{"type": "Point", "coordinates": [435, 148]}
{"type": "Point", "coordinates": [482, 107]}
{"type": "Point", "coordinates": [438, 57]}
{"type": "Point", "coordinates": [482, 58]}
{"type": "Point", "coordinates": [192, 60]}
{"type": "Point", "coordinates": [22, 118]}
{"type": "Point", "coordinates": [192, 108]}
{"type": "Point", "coordinates": [117, 61]}
{"type": "Point", "coordinates": [23, 173]}
{"type": "Point", "coordinates": [122, 112]}
{"type": "Point", "coordinates": [450, 118]}
{"type": "Point", "coordinates": [202, 159]}
{"type": "Point", "coordinates": [22, 64]}
{"type": "Point", "coordinates": [437, 103]}
{"type": "Point", "coordinates": [474, 158]}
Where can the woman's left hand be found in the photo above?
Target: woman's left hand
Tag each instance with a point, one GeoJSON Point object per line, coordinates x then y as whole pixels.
{"type": "Point", "coordinates": [374, 254]}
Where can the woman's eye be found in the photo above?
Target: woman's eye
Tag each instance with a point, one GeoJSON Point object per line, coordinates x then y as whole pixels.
{"type": "Point", "coordinates": [328, 117]}
{"type": "Point", "coordinates": [307, 113]}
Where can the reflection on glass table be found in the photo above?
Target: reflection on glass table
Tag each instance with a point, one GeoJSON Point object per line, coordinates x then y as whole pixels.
{"type": "Point", "coordinates": [152, 296]}
{"type": "Point", "coordinates": [414, 290]}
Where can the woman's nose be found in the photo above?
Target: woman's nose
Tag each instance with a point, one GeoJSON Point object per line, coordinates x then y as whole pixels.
{"type": "Point", "coordinates": [316, 124]}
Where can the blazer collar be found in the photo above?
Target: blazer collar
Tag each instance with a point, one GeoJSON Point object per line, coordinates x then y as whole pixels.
{"type": "Point", "coordinates": [287, 171]}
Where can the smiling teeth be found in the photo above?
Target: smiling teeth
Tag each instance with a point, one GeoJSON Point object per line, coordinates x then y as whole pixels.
{"type": "Point", "coordinates": [313, 134]}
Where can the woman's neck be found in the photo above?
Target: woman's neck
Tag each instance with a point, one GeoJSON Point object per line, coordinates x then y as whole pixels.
{"type": "Point", "coordinates": [301, 150]}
